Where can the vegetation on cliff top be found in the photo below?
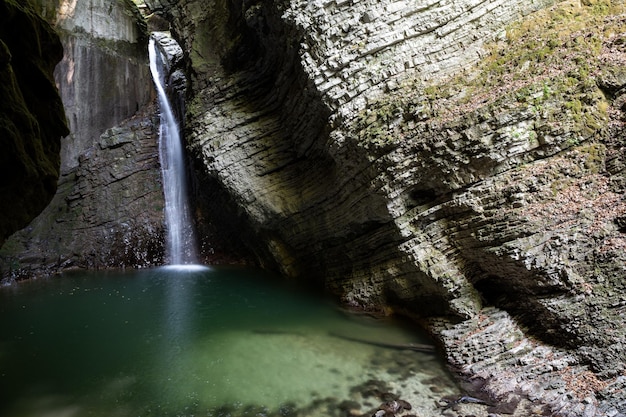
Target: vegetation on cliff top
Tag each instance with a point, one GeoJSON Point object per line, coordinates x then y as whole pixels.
{"type": "Point", "coordinates": [549, 62]}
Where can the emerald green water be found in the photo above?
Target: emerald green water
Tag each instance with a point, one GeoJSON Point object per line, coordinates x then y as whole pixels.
{"type": "Point", "coordinates": [210, 342]}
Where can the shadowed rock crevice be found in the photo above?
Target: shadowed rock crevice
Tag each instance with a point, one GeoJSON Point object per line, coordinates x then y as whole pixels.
{"type": "Point", "coordinates": [32, 119]}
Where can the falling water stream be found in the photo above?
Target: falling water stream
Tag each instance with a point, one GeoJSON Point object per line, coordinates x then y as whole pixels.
{"type": "Point", "coordinates": [181, 242]}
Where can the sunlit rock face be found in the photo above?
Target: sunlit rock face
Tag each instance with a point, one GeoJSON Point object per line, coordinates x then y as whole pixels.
{"type": "Point", "coordinates": [108, 209]}
{"type": "Point", "coordinates": [97, 18]}
{"type": "Point", "coordinates": [102, 77]}
{"type": "Point", "coordinates": [490, 214]}
{"type": "Point", "coordinates": [32, 121]}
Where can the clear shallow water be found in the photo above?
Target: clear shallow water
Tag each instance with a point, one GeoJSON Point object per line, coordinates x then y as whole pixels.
{"type": "Point", "coordinates": [203, 342]}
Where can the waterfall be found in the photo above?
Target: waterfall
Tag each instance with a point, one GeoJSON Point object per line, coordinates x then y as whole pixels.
{"type": "Point", "coordinates": [181, 242]}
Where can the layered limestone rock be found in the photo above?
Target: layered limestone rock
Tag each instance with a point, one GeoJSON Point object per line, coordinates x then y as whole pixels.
{"type": "Point", "coordinates": [32, 121]}
{"type": "Point", "coordinates": [253, 69]}
{"type": "Point", "coordinates": [428, 159]}
{"type": "Point", "coordinates": [263, 124]}
{"type": "Point", "coordinates": [108, 210]}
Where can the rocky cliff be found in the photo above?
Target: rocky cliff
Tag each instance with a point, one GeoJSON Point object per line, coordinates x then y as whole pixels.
{"type": "Point", "coordinates": [32, 121]}
{"type": "Point", "coordinates": [108, 208]}
{"type": "Point", "coordinates": [457, 162]}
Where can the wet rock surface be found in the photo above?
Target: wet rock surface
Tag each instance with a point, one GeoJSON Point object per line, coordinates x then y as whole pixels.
{"type": "Point", "coordinates": [103, 77]}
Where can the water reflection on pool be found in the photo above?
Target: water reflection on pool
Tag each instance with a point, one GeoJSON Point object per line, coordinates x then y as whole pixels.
{"type": "Point", "coordinates": [203, 342]}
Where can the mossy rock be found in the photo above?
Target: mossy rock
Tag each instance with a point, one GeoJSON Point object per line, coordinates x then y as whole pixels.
{"type": "Point", "coordinates": [550, 62]}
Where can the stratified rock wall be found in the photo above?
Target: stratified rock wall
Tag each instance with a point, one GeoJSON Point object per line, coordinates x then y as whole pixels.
{"type": "Point", "coordinates": [352, 154]}
{"type": "Point", "coordinates": [108, 210]}
{"type": "Point", "coordinates": [275, 88]}
{"type": "Point", "coordinates": [32, 121]}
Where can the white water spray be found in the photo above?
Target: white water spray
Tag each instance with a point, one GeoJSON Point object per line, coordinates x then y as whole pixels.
{"type": "Point", "coordinates": [181, 242]}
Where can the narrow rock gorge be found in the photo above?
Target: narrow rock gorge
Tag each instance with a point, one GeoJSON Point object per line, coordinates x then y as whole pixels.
{"type": "Point", "coordinates": [108, 211]}
{"type": "Point", "coordinates": [460, 163]}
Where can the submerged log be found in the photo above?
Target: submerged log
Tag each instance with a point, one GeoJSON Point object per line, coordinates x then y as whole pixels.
{"type": "Point", "coordinates": [418, 347]}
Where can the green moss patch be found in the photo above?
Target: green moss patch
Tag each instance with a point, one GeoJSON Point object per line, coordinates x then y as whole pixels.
{"type": "Point", "coordinates": [549, 63]}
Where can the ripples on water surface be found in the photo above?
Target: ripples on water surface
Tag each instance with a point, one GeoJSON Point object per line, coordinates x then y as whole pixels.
{"type": "Point", "coordinates": [198, 342]}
